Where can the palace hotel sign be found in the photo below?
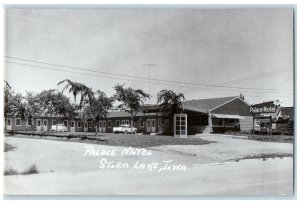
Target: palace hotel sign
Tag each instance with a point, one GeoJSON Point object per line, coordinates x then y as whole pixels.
{"type": "Point", "coordinates": [266, 107]}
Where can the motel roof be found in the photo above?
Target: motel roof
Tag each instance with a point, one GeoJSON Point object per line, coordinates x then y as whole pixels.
{"type": "Point", "coordinates": [205, 105]}
{"type": "Point", "coordinates": [121, 114]}
{"type": "Point", "coordinates": [200, 105]}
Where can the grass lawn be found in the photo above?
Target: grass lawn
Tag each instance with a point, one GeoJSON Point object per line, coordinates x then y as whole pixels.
{"type": "Point", "coordinates": [149, 140]}
{"type": "Point", "coordinates": [272, 138]}
{"type": "Point", "coordinates": [125, 140]}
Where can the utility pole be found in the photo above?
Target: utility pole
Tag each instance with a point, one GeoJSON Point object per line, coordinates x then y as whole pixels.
{"type": "Point", "coordinates": [150, 66]}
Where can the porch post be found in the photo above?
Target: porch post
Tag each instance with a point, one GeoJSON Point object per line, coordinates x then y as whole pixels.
{"type": "Point", "coordinates": [210, 122]}
{"type": "Point", "coordinates": [253, 125]}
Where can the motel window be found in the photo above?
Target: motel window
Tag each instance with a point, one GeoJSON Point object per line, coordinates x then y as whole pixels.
{"type": "Point", "coordinates": [18, 122]}
{"type": "Point", "coordinates": [29, 122]}
{"type": "Point", "coordinates": [39, 122]}
{"type": "Point", "coordinates": [127, 122]}
{"type": "Point", "coordinates": [8, 122]}
{"type": "Point", "coordinates": [45, 122]}
{"type": "Point", "coordinates": [53, 122]}
{"type": "Point", "coordinates": [100, 124]}
{"type": "Point", "coordinates": [118, 123]}
{"type": "Point", "coordinates": [109, 123]}
{"type": "Point", "coordinates": [72, 123]}
{"type": "Point", "coordinates": [90, 124]}
{"type": "Point", "coordinates": [123, 122]}
{"type": "Point", "coordinates": [230, 122]}
{"type": "Point", "coordinates": [217, 121]}
{"type": "Point", "coordinates": [141, 123]}
{"type": "Point", "coordinates": [66, 123]}
{"type": "Point", "coordinates": [153, 123]}
{"type": "Point", "coordinates": [79, 124]}
{"type": "Point", "coordinates": [85, 124]}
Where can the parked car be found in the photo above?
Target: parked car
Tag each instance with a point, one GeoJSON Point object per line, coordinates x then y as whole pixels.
{"type": "Point", "coordinates": [124, 129]}
{"type": "Point", "coordinates": [60, 128]}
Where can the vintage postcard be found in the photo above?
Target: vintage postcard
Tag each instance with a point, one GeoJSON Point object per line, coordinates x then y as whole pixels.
{"type": "Point", "coordinates": [149, 101]}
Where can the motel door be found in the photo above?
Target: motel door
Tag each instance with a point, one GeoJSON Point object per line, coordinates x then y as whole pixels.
{"type": "Point", "coordinates": [102, 126]}
{"type": "Point", "coordinates": [72, 126]}
{"type": "Point", "coordinates": [8, 124]}
{"type": "Point", "coordinates": [85, 126]}
{"type": "Point", "coordinates": [153, 125]}
{"type": "Point", "coordinates": [148, 125]}
{"type": "Point", "coordinates": [45, 125]}
{"type": "Point", "coordinates": [39, 125]}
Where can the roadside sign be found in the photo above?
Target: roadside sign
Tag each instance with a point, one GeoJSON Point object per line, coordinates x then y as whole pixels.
{"type": "Point", "coordinates": [265, 107]}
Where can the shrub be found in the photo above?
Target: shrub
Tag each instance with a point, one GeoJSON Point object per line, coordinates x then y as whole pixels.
{"type": "Point", "coordinates": [10, 132]}
{"type": "Point", "coordinates": [10, 171]}
{"type": "Point", "coordinates": [31, 170]}
{"type": "Point", "coordinates": [8, 147]}
{"type": "Point", "coordinates": [84, 137]}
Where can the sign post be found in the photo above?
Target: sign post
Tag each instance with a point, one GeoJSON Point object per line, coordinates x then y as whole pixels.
{"type": "Point", "coordinates": [253, 124]}
{"type": "Point", "coordinates": [264, 108]}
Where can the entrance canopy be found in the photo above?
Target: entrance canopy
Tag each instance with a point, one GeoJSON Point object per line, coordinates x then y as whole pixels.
{"type": "Point", "coordinates": [227, 116]}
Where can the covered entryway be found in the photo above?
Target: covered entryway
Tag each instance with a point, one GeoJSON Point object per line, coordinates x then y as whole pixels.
{"type": "Point", "coordinates": [225, 122]}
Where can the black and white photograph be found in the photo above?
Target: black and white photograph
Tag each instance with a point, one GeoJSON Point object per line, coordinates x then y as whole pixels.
{"type": "Point", "coordinates": [149, 101]}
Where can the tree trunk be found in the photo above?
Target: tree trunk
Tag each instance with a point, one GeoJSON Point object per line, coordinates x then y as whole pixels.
{"type": "Point", "coordinates": [131, 122]}
{"type": "Point", "coordinates": [96, 127]}
{"type": "Point", "coordinates": [57, 124]}
{"type": "Point", "coordinates": [26, 122]}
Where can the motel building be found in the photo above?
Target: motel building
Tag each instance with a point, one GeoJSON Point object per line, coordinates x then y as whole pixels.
{"type": "Point", "coordinates": [213, 115]}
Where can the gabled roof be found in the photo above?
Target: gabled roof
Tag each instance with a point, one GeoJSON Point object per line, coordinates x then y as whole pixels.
{"type": "Point", "coordinates": [204, 105]}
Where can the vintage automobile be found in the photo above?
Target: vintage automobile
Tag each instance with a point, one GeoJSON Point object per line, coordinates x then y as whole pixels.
{"type": "Point", "coordinates": [124, 129]}
{"type": "Point", "coordinates": [60, 128]}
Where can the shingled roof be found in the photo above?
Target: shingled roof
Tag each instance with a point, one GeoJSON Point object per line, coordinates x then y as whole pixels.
{"type": "Point", "coordinates": [121, 114]}
{"type": "Point", "coordinates": [204, 105]}
{"type": "Point", "coordinates": [200, 105]}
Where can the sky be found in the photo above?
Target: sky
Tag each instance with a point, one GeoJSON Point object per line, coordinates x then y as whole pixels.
{"type": "Point", "coordinates": [203, 53]}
